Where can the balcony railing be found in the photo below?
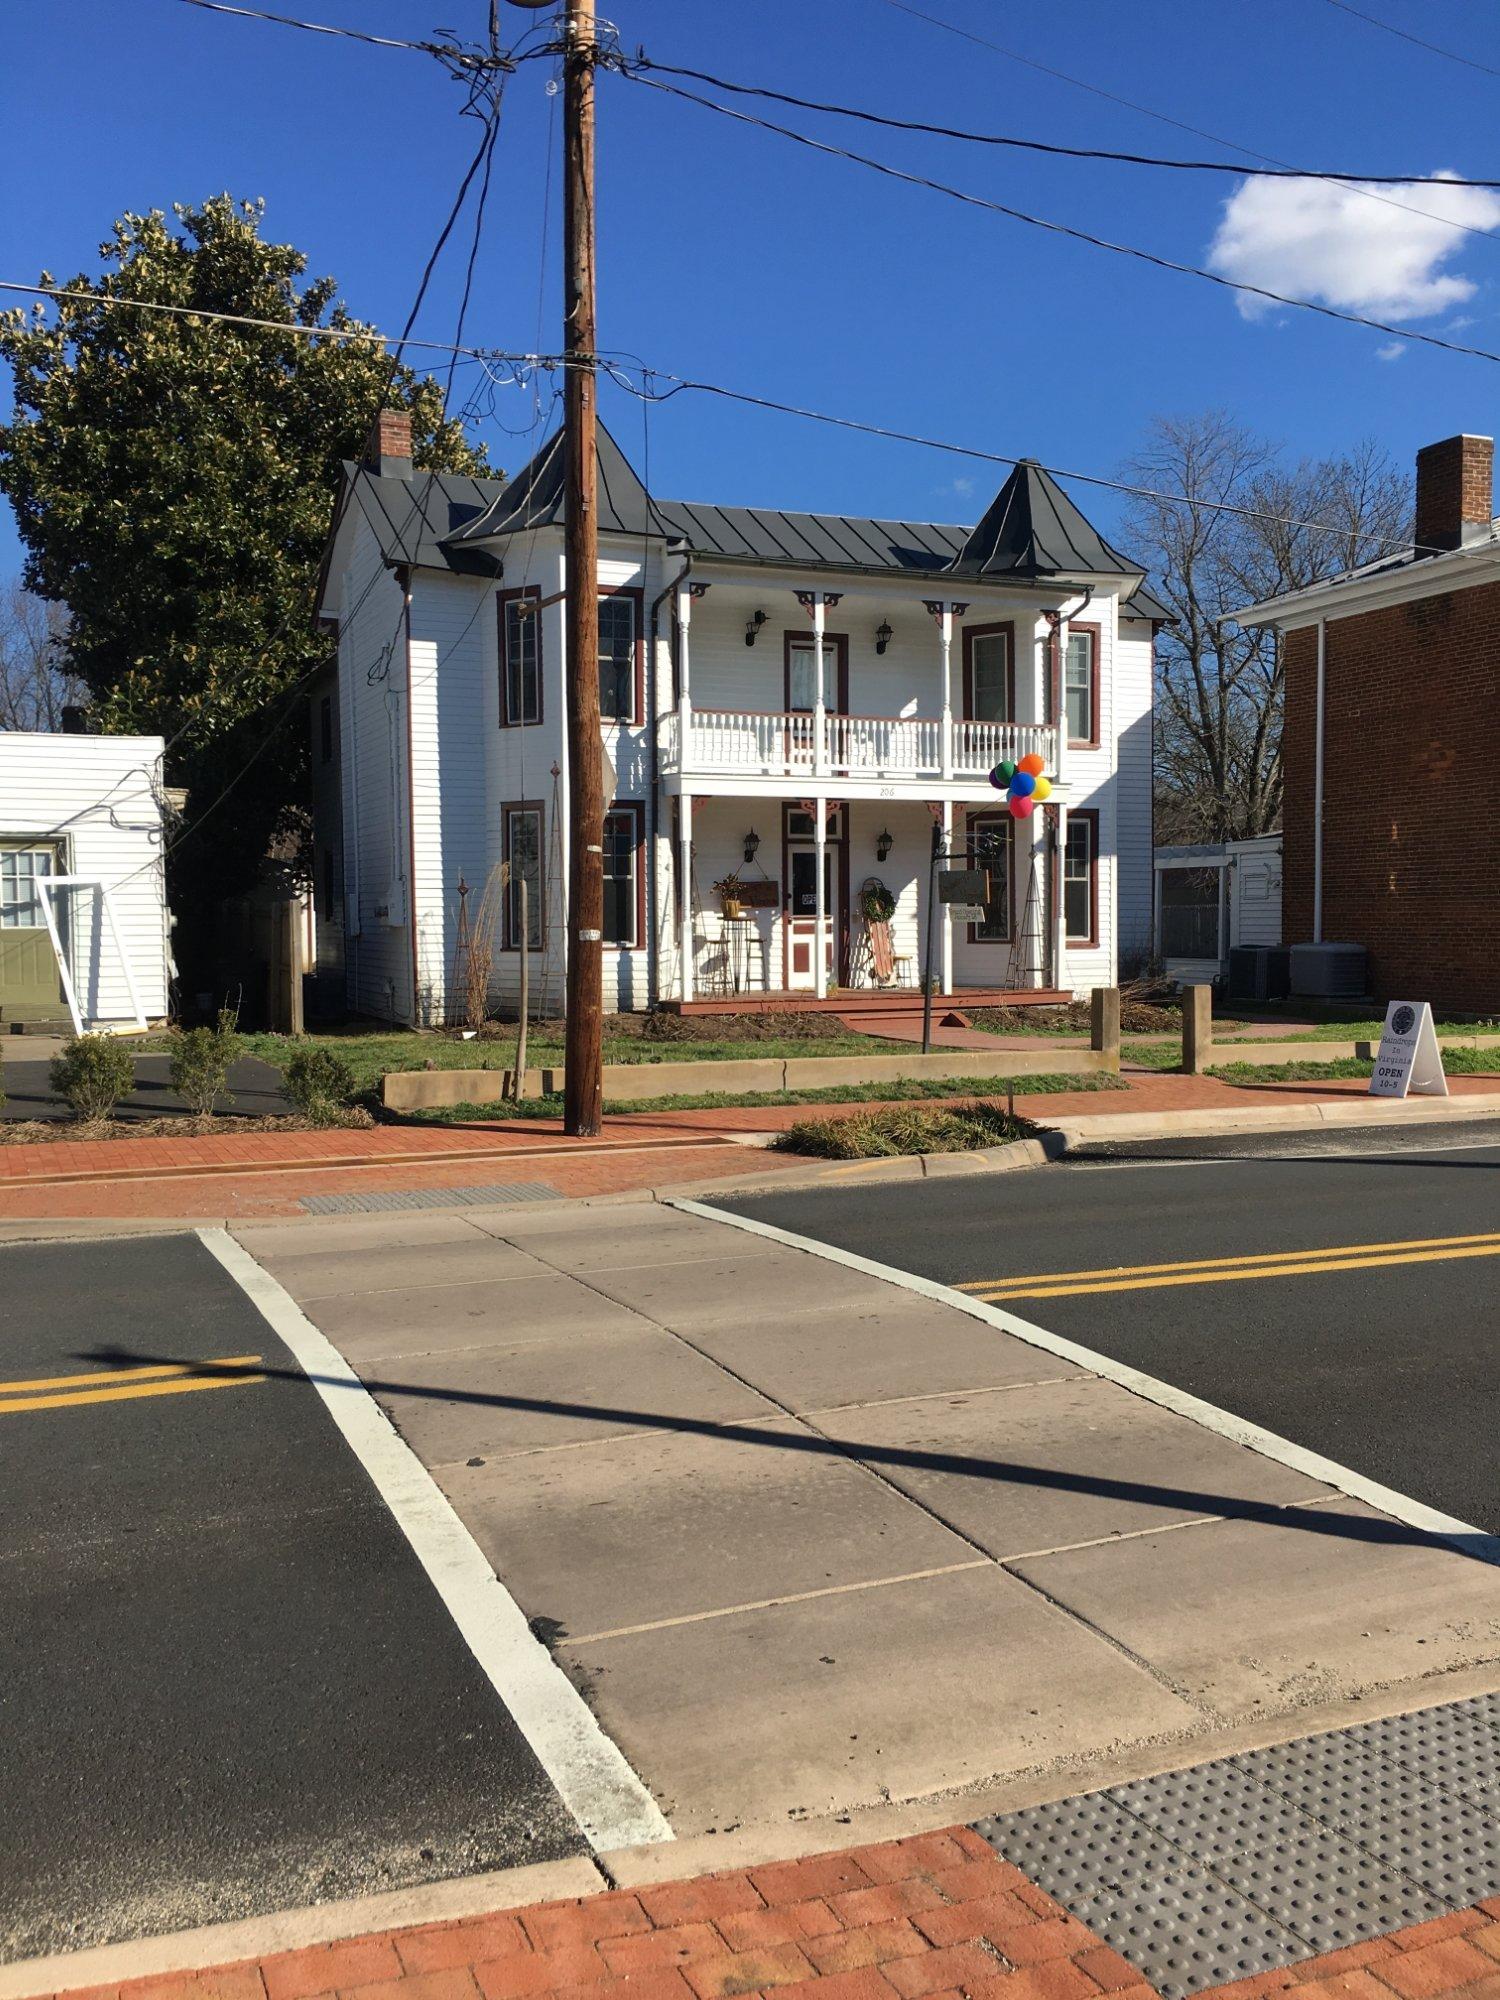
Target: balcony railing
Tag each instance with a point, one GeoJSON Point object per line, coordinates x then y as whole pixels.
{"type": "Point", "coordinates": [730, 743]}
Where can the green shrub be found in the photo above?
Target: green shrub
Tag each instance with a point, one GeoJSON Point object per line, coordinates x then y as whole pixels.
{"type": "Point", "coordinates": [92, 1073]}
{"type": "Point", "coordinates": [199, 1064]}
{"type": "Point", "coordinates": [319, 1083]}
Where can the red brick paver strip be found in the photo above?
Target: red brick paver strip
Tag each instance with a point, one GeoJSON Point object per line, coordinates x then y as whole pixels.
{"type": "Point", "coordinates": [935, 1917]}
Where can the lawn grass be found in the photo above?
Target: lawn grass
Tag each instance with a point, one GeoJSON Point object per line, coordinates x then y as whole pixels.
{"type": "Point", "coordinates": [1356, 1031]}
{"type": "Point", "coordinates": [1456, 1062]}
{"type": "Point", "coordinates": [904, 1089]}
{"type": "Point", "coordinates": [874, 1135]}
{"type": "Point", "coordinates": [375, 1054]}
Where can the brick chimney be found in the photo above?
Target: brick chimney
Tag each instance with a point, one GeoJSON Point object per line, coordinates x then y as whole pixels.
{"type": "Point", "coordinates": [389, 448]}
{"type": "Point", "coordinates": [1455, 491]}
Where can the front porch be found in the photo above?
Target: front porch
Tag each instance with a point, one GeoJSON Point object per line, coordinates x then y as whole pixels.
{"type": "Point", "coordinates": [827, 905]}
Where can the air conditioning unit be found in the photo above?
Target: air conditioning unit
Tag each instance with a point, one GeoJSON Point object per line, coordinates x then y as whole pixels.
{"type": "Point", "coordinates": [1329, 971]}
{"type": "Point", "coordinates": [1258, 972]}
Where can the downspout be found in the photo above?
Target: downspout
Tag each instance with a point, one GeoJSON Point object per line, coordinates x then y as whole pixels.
{"type": "Point", "coordinates": [411, 807]}
{"type": "Point", "coordinates": [653, 802]}
{"type": "Point", "coordinates": [1317, 923]}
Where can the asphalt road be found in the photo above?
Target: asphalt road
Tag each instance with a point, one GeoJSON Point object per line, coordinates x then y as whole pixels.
{"type": "Point", "coordinates": [1387, 1362]}
{"type": "Point", "coordinates": [226, 1684]}
{"type": "Point", "coordinates": [254, 1092]}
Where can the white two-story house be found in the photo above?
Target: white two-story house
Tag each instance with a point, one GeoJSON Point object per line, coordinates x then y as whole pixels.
{"type": "Point", "coordinates": [791, 703]}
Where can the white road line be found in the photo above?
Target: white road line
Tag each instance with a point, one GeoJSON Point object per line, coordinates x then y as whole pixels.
{"type": "Point", "coordinates": [1414, 1513]}
{"type": "Point", "coordinates": [591, 1775]}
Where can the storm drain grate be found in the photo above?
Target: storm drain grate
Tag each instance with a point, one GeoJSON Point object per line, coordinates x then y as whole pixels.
{"type": "Point", "coordinates": [1214, 1874]}
{"type": "Point", "coordinates": [450, 1197]}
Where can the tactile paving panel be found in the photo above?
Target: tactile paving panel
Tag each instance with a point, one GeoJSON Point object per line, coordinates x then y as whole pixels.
{"type": "Point", "coordinates": [1209, 1875]}
{"type": "Point", "coordinates": [448, 1197]}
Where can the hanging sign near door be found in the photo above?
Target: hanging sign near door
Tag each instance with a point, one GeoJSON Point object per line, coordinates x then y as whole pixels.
{"type": "Point", "coordinates": [1409, 1058]}
{"type": "Point", "coordinates": [964, 885]}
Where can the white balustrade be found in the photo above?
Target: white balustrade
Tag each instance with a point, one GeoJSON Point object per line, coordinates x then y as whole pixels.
{"type": "Point", "coordinates": [727, 742]}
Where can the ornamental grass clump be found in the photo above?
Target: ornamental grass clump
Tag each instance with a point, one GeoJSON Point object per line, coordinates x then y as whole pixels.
{"type": "Point", "coordinates": [91, 1074]}
{"type": "Point", "coordinates": [902, 1129]}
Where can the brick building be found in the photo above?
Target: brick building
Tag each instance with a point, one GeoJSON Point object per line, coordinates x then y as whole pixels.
{"type": "Point", "coordinates": [1391, 820]}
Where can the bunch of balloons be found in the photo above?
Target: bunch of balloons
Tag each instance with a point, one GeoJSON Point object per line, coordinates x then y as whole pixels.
{"type": "Point", "coordinates": [1024, 783]}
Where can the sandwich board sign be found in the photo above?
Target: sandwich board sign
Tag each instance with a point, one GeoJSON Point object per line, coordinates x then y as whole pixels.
{"type": "Point", "coordinates": [1409, 1058]}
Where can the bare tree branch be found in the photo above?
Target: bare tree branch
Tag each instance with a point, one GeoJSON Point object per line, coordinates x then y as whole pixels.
{"type": "Point", "coordinates": [35, 685]}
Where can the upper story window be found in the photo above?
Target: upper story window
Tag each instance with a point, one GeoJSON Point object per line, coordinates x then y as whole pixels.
{"type": "Point", "coordinates": [520, 657]}
{"type": "Point", "coordinates": [619, 621]}
{"type": "Point", "coordinates": [802, 673]}
{"type": "Point", "coordinates": [989, 673]}
{"type": "Point", "coordinates": [1081, 684]}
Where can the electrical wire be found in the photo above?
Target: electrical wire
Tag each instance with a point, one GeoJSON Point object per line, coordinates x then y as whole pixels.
{"type": "Point", "coordinates": [1059, 228]}
{"type": "Point", "coordinates": [447, 51]}
{"type": "Point", "coordinates": [1432, 48]}
{"type": "Point", "coordinates": [641, 62]}
{"type": "Point", "coordinates": [1145, 110]}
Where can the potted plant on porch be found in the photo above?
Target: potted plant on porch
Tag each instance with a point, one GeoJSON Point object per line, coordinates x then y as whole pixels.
{"type": "Point", "coordinates": [730, 892]}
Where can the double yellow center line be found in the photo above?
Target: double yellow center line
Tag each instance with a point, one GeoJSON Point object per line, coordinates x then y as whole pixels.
{"type": "Point", "coordinates": [1231, 1270]}
{"type": "Point", "coordinates": [125, 1385]}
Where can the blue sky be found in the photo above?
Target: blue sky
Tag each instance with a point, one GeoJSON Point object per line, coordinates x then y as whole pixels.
{"type": "Point", "coordinates": [729, 254]}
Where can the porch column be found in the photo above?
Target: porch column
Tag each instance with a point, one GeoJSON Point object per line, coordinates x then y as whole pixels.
{"type": "Point", "coordinates": [820, 837]}
{"type": "Point", "coordinates": [684, 674]}
{"type": "Point", "coordinates": [685, 894]}
{"type": "Point", "coordinates": [947, 908]}
{"type": "Point", "coordinates": [820, 733]}
{"type": "Point", "coordinates": [941, 611]}
{"type": "Point", "coordinates": [1156, 874]}
{"type": "Point", "coordinates": [1060, 900]}
{"type": "Point", "coordinates": [1222, 940]}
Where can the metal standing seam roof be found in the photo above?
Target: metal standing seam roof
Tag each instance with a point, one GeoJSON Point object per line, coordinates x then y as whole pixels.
{"type": "Point", "coordinates": [1031, 530]}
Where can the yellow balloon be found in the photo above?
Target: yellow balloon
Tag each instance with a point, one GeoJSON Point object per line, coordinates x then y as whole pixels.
{"type": "Point", "coordinates": [1042, 789]}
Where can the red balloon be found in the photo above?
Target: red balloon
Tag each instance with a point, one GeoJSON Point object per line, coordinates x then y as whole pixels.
{"type": "Point", "coordinates": [1033, 763]}
{"type": "Point", "coordinates": [1020, 808]}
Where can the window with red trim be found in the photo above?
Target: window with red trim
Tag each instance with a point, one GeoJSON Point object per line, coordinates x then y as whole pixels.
{"type": "Point", "coordinates": [993, 837]}
{"type": "Point", "coordinates": [1081, 878]}
{"type": "Point", "coordinates": [520, 657]}
{"type": "Point", "coordinates": [622, 877]}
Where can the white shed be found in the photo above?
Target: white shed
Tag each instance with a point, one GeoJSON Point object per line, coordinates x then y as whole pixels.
{"type": "Point", "coordinates": [83, 910]}
{"type": "Point", "coordinates": [1209, 899]}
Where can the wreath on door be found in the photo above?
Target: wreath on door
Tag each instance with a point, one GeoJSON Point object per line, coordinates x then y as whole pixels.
{"type": "Point", "coordinates": [876, 903]}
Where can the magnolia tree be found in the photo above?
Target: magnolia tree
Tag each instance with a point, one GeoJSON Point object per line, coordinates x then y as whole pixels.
{"type": "Point", "coordinates": [1219, 686]}
{"type": "Point", "coordinates": [173, 481]}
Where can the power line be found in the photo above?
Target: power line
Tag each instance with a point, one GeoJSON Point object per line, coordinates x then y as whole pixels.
{"type": "Point", "coordinates": [682, 384]}
{"type": "Point", "coordinates": [452, 52]}
{"type": "Point", "coordinates": [1145, 110]}
{"type": "Point", "coordinates": [1432, 48]}
{"type": "Point", "coordinates": [640, 62]}
{"type": "Point", "coordinates": [294, 327]}
{"type": "Point", "coordinates": [1060, 228]}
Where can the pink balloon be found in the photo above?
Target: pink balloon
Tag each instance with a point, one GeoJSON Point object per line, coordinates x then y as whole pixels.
{"type": "Point", "coordinates": [1020, 808]}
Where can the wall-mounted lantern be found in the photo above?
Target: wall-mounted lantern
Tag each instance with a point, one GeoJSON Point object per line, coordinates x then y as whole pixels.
{"type": "Point", "coordinates": [883, 635]}
{"type": "Point", "coordinates": [752, 845]}
{"type": "Point", "coordinates": [883, 844]}
{"type": "Point", "coordinates": [752, 629]}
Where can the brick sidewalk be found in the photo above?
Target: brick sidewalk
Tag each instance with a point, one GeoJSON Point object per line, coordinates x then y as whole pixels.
{"type": "Point", "coordinates": [247, 1174]}
{"type": "Point", "coordinates": [935, 1917]}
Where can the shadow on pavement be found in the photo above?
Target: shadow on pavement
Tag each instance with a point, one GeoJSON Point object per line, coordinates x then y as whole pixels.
{"type": "Point", "coordinates": [1317, 1520]}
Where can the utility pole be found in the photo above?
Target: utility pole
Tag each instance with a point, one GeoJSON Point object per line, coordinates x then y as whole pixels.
{"type": "Point", "coordinates": [583, 1100]}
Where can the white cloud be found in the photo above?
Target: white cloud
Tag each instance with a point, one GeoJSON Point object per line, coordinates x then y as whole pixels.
{"type": "Point", "coordinates": [1327, 241]}
{"type": "Point", "coordinates": [1392, 351]}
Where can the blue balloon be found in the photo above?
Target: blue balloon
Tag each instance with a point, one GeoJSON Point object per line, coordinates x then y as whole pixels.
{"type": "Point", "coordinates": [1022, 785]}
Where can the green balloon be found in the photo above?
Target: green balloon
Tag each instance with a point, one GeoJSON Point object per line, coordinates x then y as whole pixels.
{"type": "Point", "coordinates": [1003, 772]}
